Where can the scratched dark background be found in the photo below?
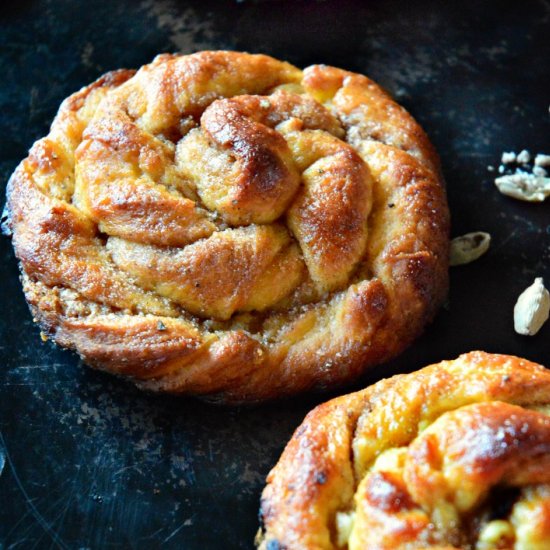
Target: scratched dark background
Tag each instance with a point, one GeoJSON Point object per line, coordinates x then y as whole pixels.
{"type": "Point", "coordinates": [86, 461]}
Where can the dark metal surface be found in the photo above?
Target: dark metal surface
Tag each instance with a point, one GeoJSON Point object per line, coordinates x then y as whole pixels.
{"type": "Point", "coordinates": [86, 461]}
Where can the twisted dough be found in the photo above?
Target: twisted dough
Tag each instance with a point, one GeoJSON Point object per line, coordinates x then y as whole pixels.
{"type": "Point", "coordinates": [224, 224]}
{"type": "Point", "coordinates": [456, 455]}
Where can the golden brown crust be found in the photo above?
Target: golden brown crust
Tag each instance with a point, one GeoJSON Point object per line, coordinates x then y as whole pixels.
{"type": "Point", "coordinates": [224, 224]}
{"type": "Point", "coordinates": [418, 461]}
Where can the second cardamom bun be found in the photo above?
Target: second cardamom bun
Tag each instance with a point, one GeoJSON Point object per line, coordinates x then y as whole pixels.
{"type": "Point", "coordinates": [456, 455]}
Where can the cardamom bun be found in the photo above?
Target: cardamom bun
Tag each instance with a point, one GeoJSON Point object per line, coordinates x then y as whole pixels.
{"type": "Point", "coordinates": [456, 455]}
{"type": "Point", "coordinates": [226, 225]}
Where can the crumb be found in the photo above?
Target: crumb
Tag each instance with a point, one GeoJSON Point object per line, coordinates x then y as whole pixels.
{"type": "Point", "coordinates": [542, 160]}
{"type": "Point", "coordinates": [524, 157]}
{"type": "Point", "coordinates": [491, 168]}
{"type": "Point", "coordinates": [508, 158]}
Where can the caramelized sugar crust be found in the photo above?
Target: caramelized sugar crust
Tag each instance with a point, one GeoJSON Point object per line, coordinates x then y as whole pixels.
{"type": "Point", "coordinates": [456, 455]}
{"type": "Point", "coordinates": [226, 225]}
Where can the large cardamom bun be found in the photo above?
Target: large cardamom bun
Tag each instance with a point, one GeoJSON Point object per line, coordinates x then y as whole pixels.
{"type": "Point", "coordinates": [223, 224]}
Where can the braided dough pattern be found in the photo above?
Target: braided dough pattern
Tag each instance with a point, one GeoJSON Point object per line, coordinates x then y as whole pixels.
{"type": "Point", "coordinates": [224, 224]}
{"type": "Point", "coordinates": [423, 460]}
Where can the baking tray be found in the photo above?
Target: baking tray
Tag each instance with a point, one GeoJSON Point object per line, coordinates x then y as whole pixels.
{"type": "Point", "coordinates": [87, 461]}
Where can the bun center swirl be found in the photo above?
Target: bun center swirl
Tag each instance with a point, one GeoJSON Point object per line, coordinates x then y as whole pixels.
{"type": "Point", "coordinates": [428, 491]}
{"type": "Point", "coordinates": [258, 196]}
